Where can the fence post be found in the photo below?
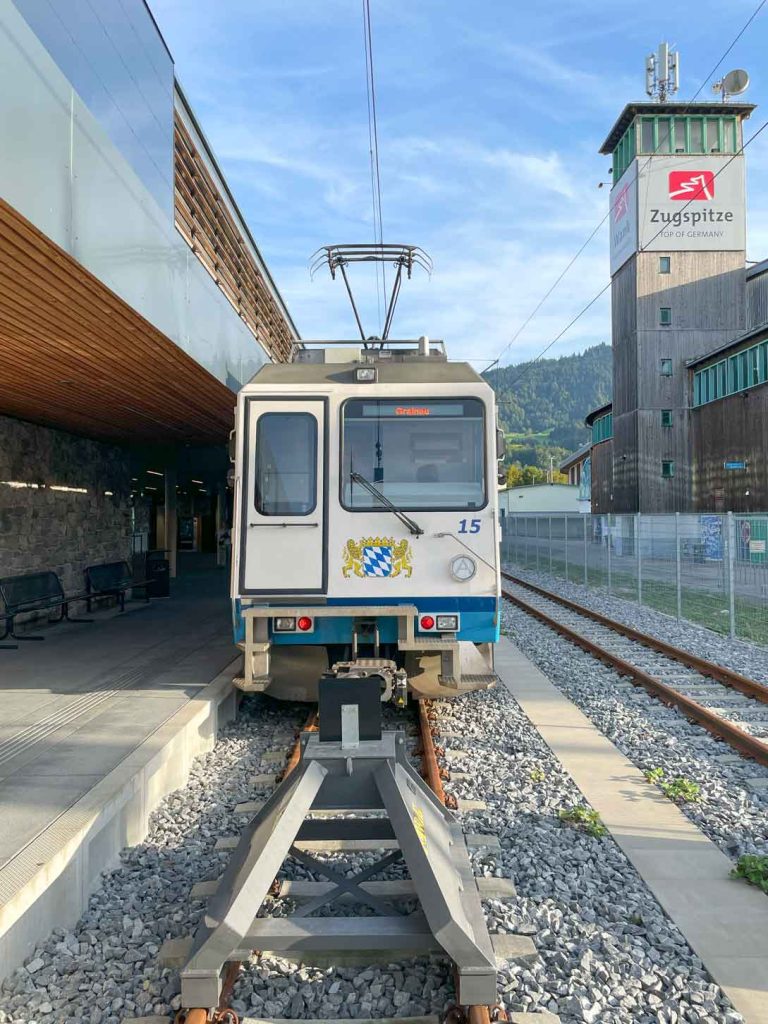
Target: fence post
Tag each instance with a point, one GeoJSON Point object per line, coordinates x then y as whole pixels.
{"type": "Point", "coordinates": [610, 543]}
{"type": "Point", "coordinates": [550, 545]}
{"type": "Point", "coordinates": [731, 544]}
{"type": "Point", "coordinates": [537, 543]}
{"type": "Point", "coordinates": [639, 560]}
{"type": "Point", "coordinates": [586, 556]}
{"type": "Point", "coordinates": [678, 577]}
{"type": "Point", "coordinates": [565, 535]}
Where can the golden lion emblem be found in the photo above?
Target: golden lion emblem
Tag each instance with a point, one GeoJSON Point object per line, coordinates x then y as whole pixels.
{"type": "Point", "coordinates": [376, 557]}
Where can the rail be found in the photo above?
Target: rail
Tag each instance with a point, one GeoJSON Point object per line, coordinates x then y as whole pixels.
{"type": "Point", "coordinates": [707, 668]}
{"type": "Point", "coordinates": [739, 739]}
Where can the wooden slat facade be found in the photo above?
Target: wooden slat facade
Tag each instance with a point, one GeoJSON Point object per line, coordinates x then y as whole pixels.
{"type": "Point", "coordinates": [732, 429]}
{"type": "Point", "coordinates": [74, 355]}
{"type": "Point", "coordinates": [207, 225]}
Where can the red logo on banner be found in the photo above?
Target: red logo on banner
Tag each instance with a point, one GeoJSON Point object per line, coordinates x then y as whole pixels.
{"type": "Point", "coordinates": [690, 185]}
{"type": "Point", "coordinates": [621, 203]}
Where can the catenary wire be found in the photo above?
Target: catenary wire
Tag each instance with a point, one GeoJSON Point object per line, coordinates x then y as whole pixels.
{"type": "Point", "coordinates": [650, 156]}
{"type": "Point", "coordinates": [373, 149]}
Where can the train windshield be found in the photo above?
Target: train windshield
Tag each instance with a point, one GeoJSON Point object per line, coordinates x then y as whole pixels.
{"type": "Point", "coordinates": [421, 454]}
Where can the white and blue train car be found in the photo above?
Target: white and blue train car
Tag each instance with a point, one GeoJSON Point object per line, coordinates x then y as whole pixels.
{"type": "Point", "coordinates": [366, 529]}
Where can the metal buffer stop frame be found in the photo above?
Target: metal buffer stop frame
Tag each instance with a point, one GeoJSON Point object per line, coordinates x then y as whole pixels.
{"type": "Point", "coordinates": [350, 765]}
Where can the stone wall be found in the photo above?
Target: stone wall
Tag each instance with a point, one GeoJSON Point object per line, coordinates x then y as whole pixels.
{"type": "Point", "coordinates": [43, 526]}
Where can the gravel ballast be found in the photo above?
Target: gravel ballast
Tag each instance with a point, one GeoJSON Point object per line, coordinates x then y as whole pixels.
{"type": "Point", "coordinates": [733, 809]}
{"type": "Point", "coordinates": [740, 655]}
{"type": "Point", "coordinates": [605, 950]}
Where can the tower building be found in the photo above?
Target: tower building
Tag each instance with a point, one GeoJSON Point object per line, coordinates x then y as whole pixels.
{"type": "Point", "coordinates": [677, 260]}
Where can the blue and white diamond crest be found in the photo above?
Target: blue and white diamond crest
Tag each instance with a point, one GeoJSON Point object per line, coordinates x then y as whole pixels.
{"type": "Point", "coordinates": [377, 560]}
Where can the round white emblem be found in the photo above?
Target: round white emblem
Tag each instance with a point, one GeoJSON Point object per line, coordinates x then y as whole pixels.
{"type": "Point", "coordinates": [463, 568]}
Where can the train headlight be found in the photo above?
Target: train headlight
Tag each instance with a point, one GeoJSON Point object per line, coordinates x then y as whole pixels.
{"type": "Point", "coordinates": [447, 623]}
{"type": "Point", "coordinates": [365, 375]}
{"type": "Point", "coordinates": [285, 624]}
{"type": "Point", "coordinates": [463, 568]}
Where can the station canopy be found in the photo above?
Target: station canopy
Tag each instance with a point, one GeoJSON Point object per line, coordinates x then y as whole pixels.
{"type": "Point", "coordinates": [75, 356]}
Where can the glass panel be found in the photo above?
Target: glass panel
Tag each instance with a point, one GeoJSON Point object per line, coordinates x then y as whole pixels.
{"type": "Point", "coordinates": [733, 365]}
{"type": "Point", "coordinates": [286, 464]}
{"type": "Point", "coordinates": [666, 367]}
{"type": "Point", "coordinates": [665, 316]}
{"type": "Point", "coordinates": [666, 417]}
{"type": "Point", "coordinates": [729, 135]}
{"type": "Point", "coordinates": [646, 135]}
{"type": "Point", "coordinates": [665, 142]}
{"type": "Point", "coordinates": [697, 389]}
{"type": "Point", "coordinates": [764, 362]}
{"type": "Point", "coordinates": [713, 135]}
{"type": "Point", "coordinates": [665, 264]}
{"type": "Point", "coordinates": [742, 370]}
{"type": "Point", "coordinates": [696, 140]}
{"type": "Point", "coordinates": [420, 453]}
{"type": "Point", "coordinates": [681, 144]}
{"type": "Point", "coordinates": [667, 468]}
{"type": "Point", "coordinates": [754, 372]}
{"type": "Point", "coordinates": [722, 373]}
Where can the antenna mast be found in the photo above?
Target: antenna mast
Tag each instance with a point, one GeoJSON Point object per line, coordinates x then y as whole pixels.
{"type": "Point", "coordinates": [662, 73]}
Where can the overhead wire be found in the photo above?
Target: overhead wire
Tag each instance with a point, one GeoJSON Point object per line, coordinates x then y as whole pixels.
{"type": "Point", "coordinates": [592, 234]}
{"type": "Point", "coordinates": [373, 151]}
{"type": "Point", "coordinates": [529, 365]}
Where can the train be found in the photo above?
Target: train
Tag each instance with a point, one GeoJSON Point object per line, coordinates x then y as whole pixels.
{"type": "Point", "coordinates": [366, 533]}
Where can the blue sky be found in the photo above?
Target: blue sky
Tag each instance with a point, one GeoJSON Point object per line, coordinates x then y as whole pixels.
{"type": "Point", "coordinates": [490, 117]}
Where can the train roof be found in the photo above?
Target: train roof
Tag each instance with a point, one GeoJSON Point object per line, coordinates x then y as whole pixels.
{"type": "Point", "coordinates": [412, 371]}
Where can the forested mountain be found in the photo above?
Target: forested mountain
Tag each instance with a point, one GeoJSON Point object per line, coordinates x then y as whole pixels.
{"type": "Point", "coordinates": [550, 398]}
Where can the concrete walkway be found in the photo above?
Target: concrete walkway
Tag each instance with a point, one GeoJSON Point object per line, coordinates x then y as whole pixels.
{"type": "Point", "coordinates": [725, 921]}
{"type": "Point", "coordinates": [75, 706]}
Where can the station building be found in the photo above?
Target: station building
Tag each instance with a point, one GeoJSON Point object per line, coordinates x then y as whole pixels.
{"type": "Point", "coordinates": [134, 300]}
{"type": "Point", "coordinates": [687, 428]}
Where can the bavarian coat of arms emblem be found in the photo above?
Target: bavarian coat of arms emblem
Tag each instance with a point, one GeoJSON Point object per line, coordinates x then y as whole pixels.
{"type": "Point", "coordinates": [376, 557]}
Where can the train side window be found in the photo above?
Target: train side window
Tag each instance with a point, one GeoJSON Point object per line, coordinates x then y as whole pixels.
{"type": "Point", "coordinates": [286, 464]}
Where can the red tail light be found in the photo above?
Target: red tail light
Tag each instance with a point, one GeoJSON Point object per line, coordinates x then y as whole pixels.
{"type": "Point", "coordinates": [427, 622]}
{"type": "Point", "coordinates": [304, 623]}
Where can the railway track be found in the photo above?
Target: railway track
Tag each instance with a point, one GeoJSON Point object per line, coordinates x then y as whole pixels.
{"type": "Point", "coordinates": [729, 705]}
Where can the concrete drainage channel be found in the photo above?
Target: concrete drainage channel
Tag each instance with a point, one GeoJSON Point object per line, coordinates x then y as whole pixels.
{"type": "Point", "coordinates": [587, 940]}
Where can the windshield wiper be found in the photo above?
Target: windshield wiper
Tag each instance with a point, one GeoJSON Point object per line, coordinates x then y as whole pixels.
{"type": "Point", "coordinates": [413, 527]}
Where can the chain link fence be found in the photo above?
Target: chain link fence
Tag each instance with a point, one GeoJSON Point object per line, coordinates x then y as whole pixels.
{"type": "Point", "coordinates": [708, 569]}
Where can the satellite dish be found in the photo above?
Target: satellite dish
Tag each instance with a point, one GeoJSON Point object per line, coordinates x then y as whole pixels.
{"type": "Point", "coordinates": [732, 84]}
{"type": "Point", "coordinates": [735, 82]}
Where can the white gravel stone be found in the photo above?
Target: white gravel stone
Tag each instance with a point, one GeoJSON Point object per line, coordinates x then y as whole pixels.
{"type": "Point", "coordinates": [733, 808]}
{"type": "Point", "coordinates": [606, 952]}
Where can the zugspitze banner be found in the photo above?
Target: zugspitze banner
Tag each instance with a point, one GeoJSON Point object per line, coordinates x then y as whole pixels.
{"type": "Point", "coordinates": [679, 204]}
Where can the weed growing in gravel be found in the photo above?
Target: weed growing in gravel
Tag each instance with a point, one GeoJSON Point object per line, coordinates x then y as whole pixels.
{"type": "Point", "coordinates": [537, 775]}
{"type": "Point", "coordinates": [681, 790]}
{"type": "Point", "coordinates": [586, 818]}
{"type": "Point", "coordinates": [754, 868]}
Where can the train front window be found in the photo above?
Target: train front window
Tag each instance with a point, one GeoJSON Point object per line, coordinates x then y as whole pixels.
{"type": "Point", "coordinates": [419, 453]}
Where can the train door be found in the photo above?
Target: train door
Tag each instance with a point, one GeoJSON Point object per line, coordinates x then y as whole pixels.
{"type": "Point", "coordinates": [283, 528]}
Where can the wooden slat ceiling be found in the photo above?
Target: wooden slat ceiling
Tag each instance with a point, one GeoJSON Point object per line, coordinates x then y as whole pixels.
{"type": "Point", "coordinates": [74, 355]}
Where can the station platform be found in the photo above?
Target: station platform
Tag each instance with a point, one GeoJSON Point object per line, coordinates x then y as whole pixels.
{"type": "Point", "coordinates": [98, 723]}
